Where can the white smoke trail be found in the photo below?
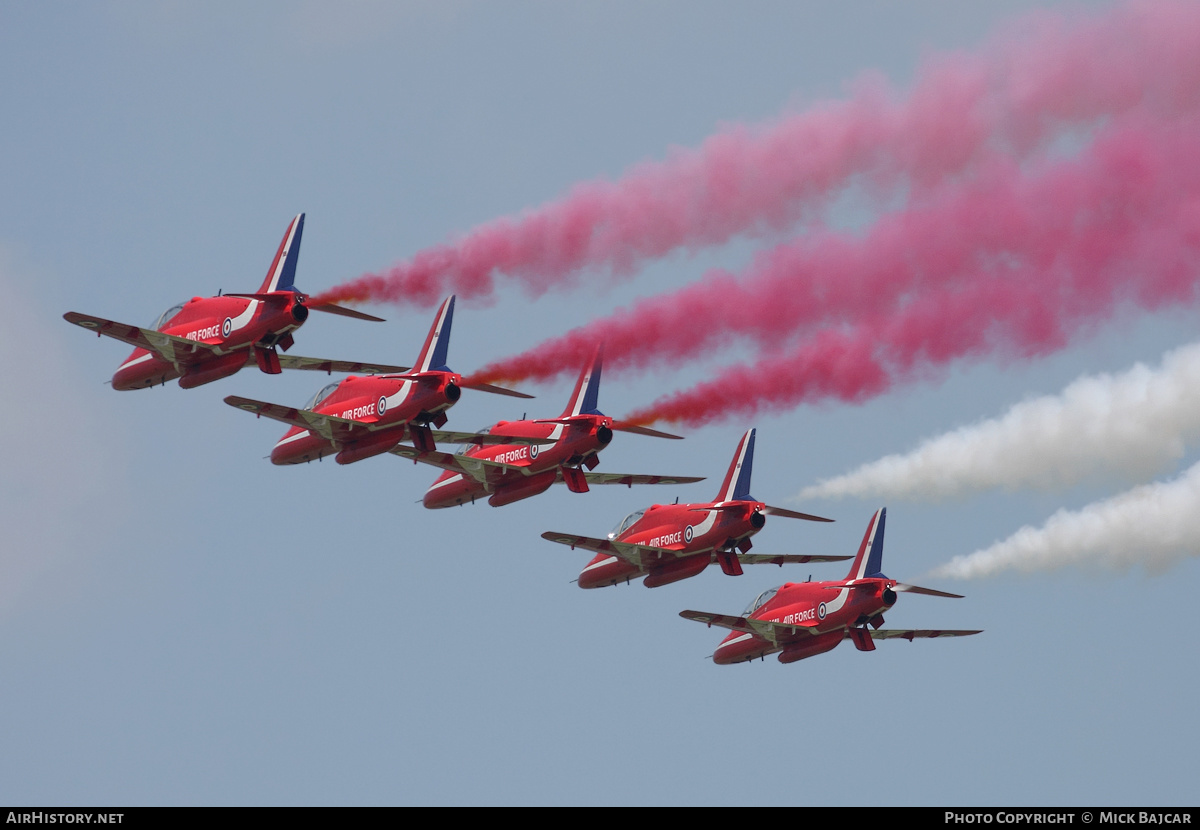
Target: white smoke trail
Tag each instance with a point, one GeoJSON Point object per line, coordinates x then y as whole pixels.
{"type": "Point", "coordinates": [1128, 426]}
{"type": "Point", "coordinates": [1154, 526]}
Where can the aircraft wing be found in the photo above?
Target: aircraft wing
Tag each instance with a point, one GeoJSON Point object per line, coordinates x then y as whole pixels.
{"type": "Point", "coordinates": [329, 427]}
{"type": "Point", "coordinates": [641, 556]}
{"type": "Point", "coordinates": [770, 559]}
{"type": "Point", "coordinates": [910, 633]}
{"type": "Point", "coordinates": [770, 631]}
{"type": "Point", "coordinates": [318, 364]}
{"type": "Point", "coordinates": [476, 468]}
{"type": "Point", "coordinates": [170, 348]}
{"type": "Point", "coordinates": [629, 480]}
{"type": "Point", "coordinates": [486, 438]}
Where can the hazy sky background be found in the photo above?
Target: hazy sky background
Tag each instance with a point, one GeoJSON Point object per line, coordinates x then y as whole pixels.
{"type": "Point", "coordinates": [183, 623]}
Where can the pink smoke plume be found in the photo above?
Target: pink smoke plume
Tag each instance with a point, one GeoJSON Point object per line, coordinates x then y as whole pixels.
{"type": "Point", "coordinates": [1139, 246]}
{"type": "Point", "coordinates": [1046, 74]}
{"type": "Point", "coordinates": [1120, 207]}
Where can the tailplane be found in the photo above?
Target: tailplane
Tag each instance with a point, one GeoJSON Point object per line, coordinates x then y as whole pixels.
{"type": "Point", "coordinates": [282, 274]}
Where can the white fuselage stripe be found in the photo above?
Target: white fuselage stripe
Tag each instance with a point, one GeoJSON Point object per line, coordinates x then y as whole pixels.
{"type": "Point", "coordinates": [449, 481]}
{"type": "Point", "coordinates": [291, 438]}
{"type": "Point", "coordinates": [734, 640]}
{"type": "Point", "coordinates": [243, 319]}
{"type": "Point", "coordinates": [137, 360]}
{"type": "Point", "coordinates": [600, 564]}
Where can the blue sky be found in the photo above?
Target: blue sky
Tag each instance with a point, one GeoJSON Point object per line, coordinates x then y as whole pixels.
{"type": "Point", "coordinates": [183, 623]}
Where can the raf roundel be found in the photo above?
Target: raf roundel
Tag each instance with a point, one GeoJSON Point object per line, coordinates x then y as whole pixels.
{"type": "Point", "coordinates": [381, 407]}
{"type": "Point", "coordinates": [533, 451]}
{"type": "Point", "coordinates": [687, 533]}
{"type": "Point", "coordinates": [227, 327]}
{"type": "Point", "coordinates": [821, 611]}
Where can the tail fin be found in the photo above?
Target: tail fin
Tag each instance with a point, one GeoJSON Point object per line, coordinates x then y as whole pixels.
{"type": "Point", "coordinates": [869, 561]}
{"type": "Point", "coordinates": [437, 344]}
{"type": "Point", "coordinates": [282, 274]}
{"type": "Point", "coordinates": [585, 400]}
{"type": "Point", "coordinates": [736, 486]}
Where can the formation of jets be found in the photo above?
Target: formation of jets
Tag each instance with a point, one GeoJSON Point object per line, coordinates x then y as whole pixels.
{"type": "Point", "coordinates": [402, 410]}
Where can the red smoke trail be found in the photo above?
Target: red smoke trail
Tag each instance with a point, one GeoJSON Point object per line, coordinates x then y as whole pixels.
{"type": "Point", "coordinates": [1046, 74]}
{"type": "Point", "coordinates": [1145, 254]}
{"type": "Point", "coordinates": [1004, 224]}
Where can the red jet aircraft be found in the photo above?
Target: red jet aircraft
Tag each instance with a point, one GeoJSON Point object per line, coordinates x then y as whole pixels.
{"type": "Point", "coordinates": [799, 620]}
{"type": "Point", "coordinates": [364, 416]}
{"type": "Point", "coordinates": [515, 467]}
{"type": "Point", "coordinates": [669, 542]}
{"type": "Point", "coordinates": [206, 339]}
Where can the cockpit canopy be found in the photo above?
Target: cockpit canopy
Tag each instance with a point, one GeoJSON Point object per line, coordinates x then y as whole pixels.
{"type": "Point", "coordinates": [463, 449]}
{"type": "Point", "coordinates": [626, 523]}
{"type": "Point", "coordinates": [316, 399]}
{"type": "Point", "coordinates": [760, 601]}
{"type": "Point", "coordinates": [167, 316]}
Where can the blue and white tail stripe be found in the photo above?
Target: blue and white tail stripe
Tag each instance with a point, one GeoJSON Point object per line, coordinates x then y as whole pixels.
{"type": "Point", "coordinates": [869, 561]}
{"type": "Point", "coordinates": [282, 274]}
{"type": "Point", "coordinates": [585, 400]}
{"type": "Point", "coordinates": [436, 350]}
{"type": "Point", "coordinates": [736, 486]}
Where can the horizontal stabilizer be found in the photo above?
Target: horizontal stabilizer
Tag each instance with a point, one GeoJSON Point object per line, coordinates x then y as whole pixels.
{"type": "Point", "coordinates": [495, 390]}
{"type": "Point", "coordinates": [330, 308]}
{"type": "Point", "coordinates": [567, 420]}
{"type": "Point", "coordinates": [917, 589]}
{"type": "Point", "coordinates": [640, 430]}
{"type": "Point", "coordinates": [792, 514]}
{"type": "Point", "coordinates": [629, 479]}
{"type": "Point", "coordinates": [266, 297]}
{"type": "Point", "coordinates": [797, 559]}
{"type": "Point", "coordinates": [317, 364]}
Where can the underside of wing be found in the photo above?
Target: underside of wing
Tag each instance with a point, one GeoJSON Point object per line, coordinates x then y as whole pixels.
{"type": "Point", "coordinates": [772, 632]}
{"type": "Point", "coordinates": [629, 479]}
{"type": "Point", "coordinates": [720, 620]}
{"type": "Point", "coordinates": [435, 458]}
{"type": "Point", "coordinates": [480, 469]}
{"type": "Point", "coordinates": [317, 364]}
{"type": "Point", "coordinates": [912, 633]}
{"type": "Point", "coordinates": [769, 559]}
{"type": "Point", "coordinates": [170, 348]}
{"type": "Point", "coordinates": [329, 427]}
{"type": "Point", "coordinates": [641, 556]}
{"type": "Point", "coordinates": [486, 438]}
